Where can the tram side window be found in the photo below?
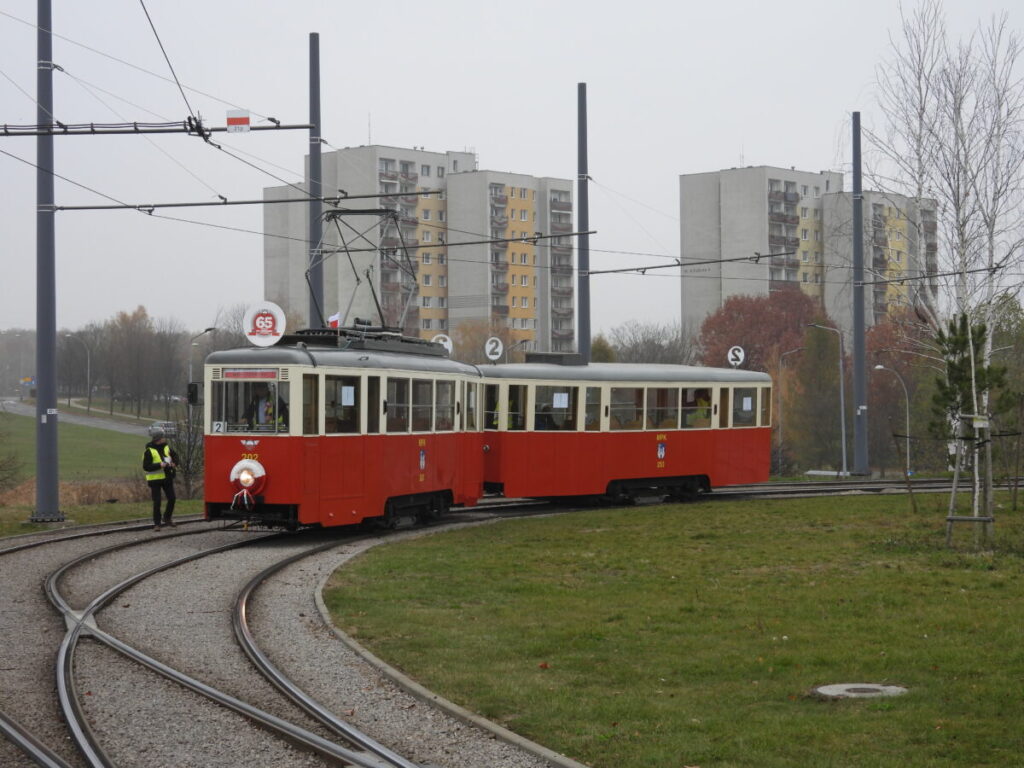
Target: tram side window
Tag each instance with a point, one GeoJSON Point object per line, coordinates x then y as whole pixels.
{"type": "Point", "coordinates": [723, 408]}
{"type": "Point", "coordinates": [470, 405]}
{"type": "Point", "coordinates": [397, 405]}
{"type": "Point", "coordinates": [444, 406]}
{"type": "Point", "coordinates": [249, 406]}
{"type": "Point", "coordinates": [627, 408]}
{"type": "Point", "coordinates": [422, 404]}
{"type": "Point", "coordinates": [555, 408]}
{"type": "Point", "coordinates": [517, 406]}
{"type": "Point", "coordinates": [766, 406]}
{"type": "Point", "coordinates": [592, 416]}
{"type": "Point", "coordinates": [744, 407]}
{"type": "Point", "coordinates": [662, 408]}
{"type": "Point", "coordinates": [697, 408]}
{"type": "Point", "coordinates": [310, 404]}
{"type": "Point", "coordinates": [491, 406]}
{"type": "Point", "coordinates": [373, 408]}
{"type": "Point", "coordinates": [341, 397]}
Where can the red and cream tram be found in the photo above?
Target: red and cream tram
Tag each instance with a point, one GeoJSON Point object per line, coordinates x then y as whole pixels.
{"type": "Point", "coordinates": [334, 427]}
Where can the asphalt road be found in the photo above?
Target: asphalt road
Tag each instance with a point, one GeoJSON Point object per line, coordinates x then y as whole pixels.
{"type": "Point", "coordinates": [71, 417]}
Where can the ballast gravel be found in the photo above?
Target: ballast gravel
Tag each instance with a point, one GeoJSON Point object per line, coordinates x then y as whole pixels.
{"type": "Point", "coordinates": [183, 618]}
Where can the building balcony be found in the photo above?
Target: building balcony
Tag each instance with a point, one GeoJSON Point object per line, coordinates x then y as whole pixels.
{"type": "Point", "coordinates": [929, 226]}
{"type": "Point", "coordinates": [558, 248]}
{"type": "Point", "coordinates": [776, 195]}
{"type": "Point", "coordinates": [500, 246]}
{"type": "Point", "coordinates": [501, 288]}
{"type": "Point", "coordinates": [558, 291]}
{"type": "Point", "coordinates": [497, 199]}
{"type": "Point", "coordinates": [499, 266]}
{"type": "Point", "coordinates": [562, 333]}
{"type": "Point", "coordinates": [390, 241]}
{"type": "Point", "coordinates": [792, 197]}
{"type": "Point", "coordinates": [388, 175]}
{"type": "Point", "coordinates": [499, 220]}
{"type": "Point", "coordinates": [790, 262]}
{"type": "Point", "coordinates": [562, 311]}
{"type": "Point", "coordinates": [561, 205]}
{"type": "Point", "coordinates": [499, 309]}
{"type": "Point", "coordinates": [561, 227]}
{"type": "Point", "coordinates": [410, 176]}
{"type": "Point", "coordinates": [410, 199]}
{"type": "Point", "coordinates": [783, 241]}
{"type": "Point", "coordinates": [561, 269]}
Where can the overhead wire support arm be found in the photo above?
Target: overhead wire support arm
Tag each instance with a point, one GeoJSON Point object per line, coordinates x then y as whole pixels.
{"type": "Point", "coordinates": [113, 129]}
{"type": "Point", "coordinates": [680, 263]}
{"type": "Point", "coordinates": [210, 204]}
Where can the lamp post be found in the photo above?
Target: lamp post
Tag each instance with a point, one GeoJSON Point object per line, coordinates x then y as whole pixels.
{"type": "Point", "coordinates": [782, 359]}
{"type": "Point", "coordinates": [906, 395]}
{"type": "Point", "coordinates": [513, 346]}
{"type": "Point", "coordinates": [88, 372]}
{"type": "Point", "coordinates": [191, 344]}
{"type": "Point", "coordinates": [842, 394]}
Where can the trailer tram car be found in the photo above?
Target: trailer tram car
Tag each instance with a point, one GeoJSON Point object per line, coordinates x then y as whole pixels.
{"type": "Point", "coordinates": [337, 427]}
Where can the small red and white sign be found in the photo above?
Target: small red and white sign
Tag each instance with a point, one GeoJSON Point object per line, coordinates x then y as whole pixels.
{"type": "Point", "coordinates": [263, 324]}
{"type": "Point", "coordinates": [238, 121]}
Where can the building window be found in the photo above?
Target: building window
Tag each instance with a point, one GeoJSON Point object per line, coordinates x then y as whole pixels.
{"type": "Point", "coordinates": [524, 281]}
{"type": "Point", "coordinates": [455, 166]}
{"type": "Point", "coordinates": [426, 279]}
{"type": "Point", "coordinates": [424, 170]}
{"type": "Point", "coordinates": [817, 235]}
{"type": "Point", "coordinates": [803, 234]}
{"type": "Point", "coordinates": [426, 214]}
{"type": "Point", "coordinates": [440, 171]}
{"type": "Point", "coordinates": [804, 256]}
{"type": "Point", "coordinates": [441, 257]}
{"type": "Point", "coordinates": [426, 258]}
{"type": "Point", "coordinates": [425, 301]}
{"type": "Point", "coordinates": [899, 256]}
{"type": "Point", "coordinates": [428, 237]}
{"type": "Point", "coordinates": [803, 213]}
{"type": "Point", "coordinates": [522, 193]}
{"type": "Point", "coordinates": [440, 215]}
{"type": "Point", "coordinates": [817, 257]}
{"type": "Point", "coordinates": [442, 324]}
{"type": "Point", "coordinates": [805, 277]}
{"type": "Point", "coordinates": [426, 323]}
{"type": "Point", "coordinates": [803, 191]}
{"type": "Point", "coordinates": [817, 191]}
{"type": "Point", "coordinates": [524, 215]}
{"type": "Point", "coordinates": [442, 280]}
{"type": "Point", "coordinates": [827, 184]}
{"type": "Point", "coordinates": [515, 301]}
{"type": "Point", "coordinates": [442, 302]}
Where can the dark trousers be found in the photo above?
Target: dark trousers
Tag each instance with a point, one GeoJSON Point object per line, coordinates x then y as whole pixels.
{"type": "Point", "coordinates": [167, 484]}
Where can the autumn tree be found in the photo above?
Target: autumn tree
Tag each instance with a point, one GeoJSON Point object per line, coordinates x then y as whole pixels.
{"type": "Point", "coordinates": [469, 339]}
{"type": "Point", "coordinates": [601, 350]}
{"type": "Point", "coordinates": [812, 424]}
{"type": "Point", "coordinates": [765, 326]}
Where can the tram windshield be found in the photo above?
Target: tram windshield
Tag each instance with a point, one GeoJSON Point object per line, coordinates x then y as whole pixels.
{"type": "Point", "coordinates": [249, 406]}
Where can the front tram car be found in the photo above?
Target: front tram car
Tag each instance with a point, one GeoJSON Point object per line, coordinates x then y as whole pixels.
{"type": "Point", "coordinates": [334, 427]}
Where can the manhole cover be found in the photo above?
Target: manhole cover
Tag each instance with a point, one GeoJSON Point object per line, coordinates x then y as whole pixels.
{"type": "Point", "coordinates": [858, 691]}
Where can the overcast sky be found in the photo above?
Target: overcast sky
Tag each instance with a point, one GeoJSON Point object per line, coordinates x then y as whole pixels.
{"type": "Point", "coordinates": [674, 87]}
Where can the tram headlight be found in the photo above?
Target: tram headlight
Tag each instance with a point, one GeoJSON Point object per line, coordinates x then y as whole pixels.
{"type": "Point", "coordinates": [248, 475]}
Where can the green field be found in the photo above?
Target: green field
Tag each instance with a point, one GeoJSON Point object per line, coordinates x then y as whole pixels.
{"type": "Point", "coordinates": [94, 465]}
{"type": "Point", "coordinates": [692, 635]}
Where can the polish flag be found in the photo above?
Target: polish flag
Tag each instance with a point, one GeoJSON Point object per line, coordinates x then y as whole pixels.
{"type": "Point", "coordinates": [333, 320]}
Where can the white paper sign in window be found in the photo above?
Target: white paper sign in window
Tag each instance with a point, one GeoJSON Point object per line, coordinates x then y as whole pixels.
{"type": "Point", "coordinates": [561, 400]}
{"type": "Point", "coordinates": [748, 403]}
{"type": "Point", "coordinates": [348, 395]}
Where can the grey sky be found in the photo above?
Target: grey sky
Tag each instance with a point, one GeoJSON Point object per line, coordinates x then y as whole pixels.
{"type": "Point", "coordinates": [674, 87]}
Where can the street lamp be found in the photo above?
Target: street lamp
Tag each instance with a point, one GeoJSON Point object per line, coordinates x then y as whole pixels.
{"type": "Point", "coordinates": [842, 394]}
{"type": "Point", "coordinates": [192, 343]}
{"type": "Point", "coordinates": [782, 359]}
{"type": "Point", "coordinates": [513, 346]}
{"type": "Point", "coordinates": [906, 395]}
{"type": "Point", "coordinates": [88, 372]}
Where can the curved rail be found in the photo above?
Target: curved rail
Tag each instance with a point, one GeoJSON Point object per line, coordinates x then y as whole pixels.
{"type": "Point", "coordinates": [28, 743]}
{"type": "Point", "coordinates": [87, 740]}
{"type": "Point", "coordinates": [310, 705]}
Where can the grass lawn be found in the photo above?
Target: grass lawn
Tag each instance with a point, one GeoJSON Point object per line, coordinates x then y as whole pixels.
{"type": "Point", "coordinates": [692, 635]}
{"type": "Point", "coordinates": [95, 464]}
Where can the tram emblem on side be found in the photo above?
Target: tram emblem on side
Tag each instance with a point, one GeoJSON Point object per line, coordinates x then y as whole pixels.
{"type": "Point", "coordinates": [661, 451]}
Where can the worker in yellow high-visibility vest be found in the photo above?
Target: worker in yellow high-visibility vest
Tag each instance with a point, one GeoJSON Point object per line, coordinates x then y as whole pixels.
{"type": "Point", "coordinates": [160, 463]}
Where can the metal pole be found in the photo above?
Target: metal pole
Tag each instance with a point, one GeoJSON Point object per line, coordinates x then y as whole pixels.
{"type": "Point", "coordinates": [583, 220]}
{"type": "Point", "coordinates": [47, 482]}
{"type": "Point", "coordinates": [316, 267]}
{"type": "Point", "coordinates": [192, 343]}
{"type": "Point", "coordinates": [906, 396]}
{"type": "Point", "coordinates": [782, 359]}
{"type": "Point", "coordinates": [842, 392]}
{"type": "Point", "coordinates": [860, 415]}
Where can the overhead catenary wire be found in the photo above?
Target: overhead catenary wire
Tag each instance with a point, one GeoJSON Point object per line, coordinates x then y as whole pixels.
{"type": "Point", "coordinates": [166, 57]}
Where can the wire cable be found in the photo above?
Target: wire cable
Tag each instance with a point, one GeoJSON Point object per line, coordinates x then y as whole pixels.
{"type": "Point", "coordinates": [166, 57]}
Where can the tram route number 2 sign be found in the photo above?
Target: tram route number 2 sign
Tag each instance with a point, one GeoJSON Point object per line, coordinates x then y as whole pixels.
{"type": "Point", "coordinates": [736, 356]}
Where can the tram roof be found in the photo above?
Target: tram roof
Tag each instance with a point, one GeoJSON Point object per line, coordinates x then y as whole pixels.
{"type": "Point", "coordinates": [320, 356]}
{"type": "Point", "coordinates": [640, 372]}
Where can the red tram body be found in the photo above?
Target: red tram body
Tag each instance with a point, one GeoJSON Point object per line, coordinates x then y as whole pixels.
{"type": "Point", "coordinates": [338, 427]}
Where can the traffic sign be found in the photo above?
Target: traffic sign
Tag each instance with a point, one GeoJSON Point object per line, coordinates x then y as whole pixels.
{"type": "Point", "coordinates": [736, 356]}
{"type": "Point", "coordinates": [493, 348]}
{"type": "Point", "coordinates": [445, 341]}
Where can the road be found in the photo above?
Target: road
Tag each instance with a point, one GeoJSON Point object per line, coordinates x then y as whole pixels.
{"type": "Point", "coordinates": [21, 409]}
